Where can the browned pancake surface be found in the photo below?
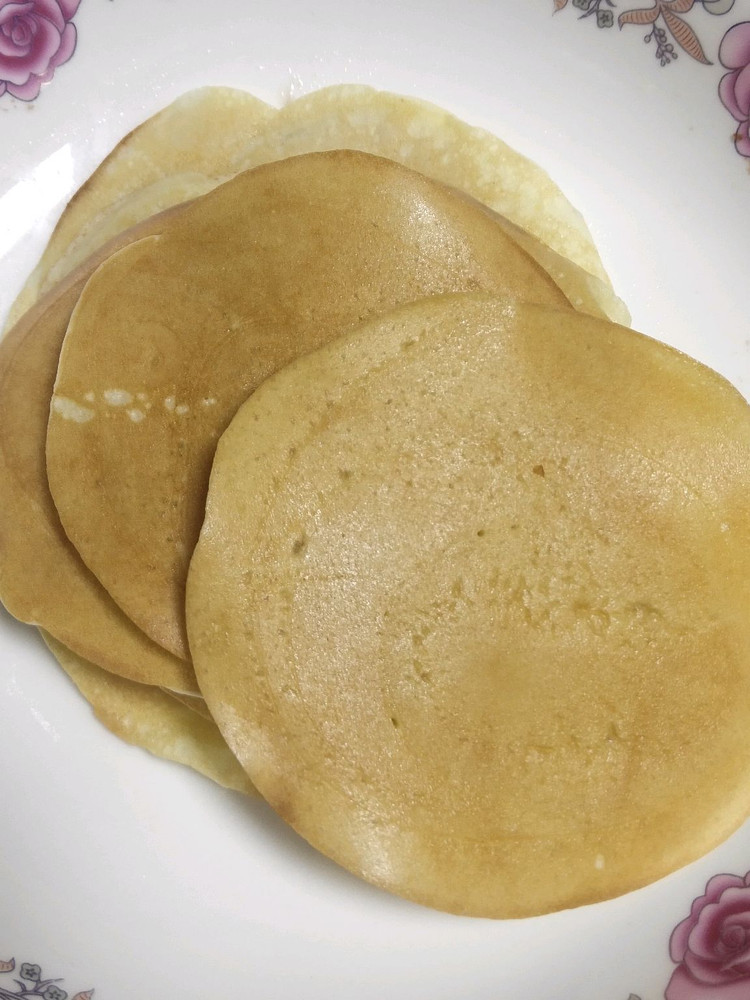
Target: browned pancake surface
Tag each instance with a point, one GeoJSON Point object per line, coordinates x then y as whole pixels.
{"type": "Point", "coordinates": [470, 604]}
{"type": "Point", "coordinates": [42, 579]}
{"type": "Point", "coordinates": [173, 333]}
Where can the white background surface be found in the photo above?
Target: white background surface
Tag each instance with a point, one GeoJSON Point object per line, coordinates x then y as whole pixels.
{"type": "Point", "coordinates": [138, 878]}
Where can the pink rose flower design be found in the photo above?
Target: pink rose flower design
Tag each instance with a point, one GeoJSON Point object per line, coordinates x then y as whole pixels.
{"type": "Point", "coordinates": [712, 945]}
{"type": "Point", "coordinates": [36, 37]}
{"type": "Point", "coordinates": [734, 88]}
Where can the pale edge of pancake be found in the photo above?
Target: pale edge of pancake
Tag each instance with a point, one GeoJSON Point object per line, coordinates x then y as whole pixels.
{"type": "Point", "coordinates": [152, 719]}
{"type": "Point", "coordinates": [177, 153]}
{"type": "Point", "coordinates": [427, 138]}
{"type": "Point", "coordinates": [159, 165]}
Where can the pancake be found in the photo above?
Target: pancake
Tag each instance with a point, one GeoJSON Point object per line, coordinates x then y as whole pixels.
{"type": "Point", "coordinates": [42, 579]}
{"type": "Point", "coordinates": [585, 292]}
{"type": "Point", "coordinates": [173, 332]}
{"type": "Point", "coordinates": [176, 154]}
{"type": "Point", "coordinates": [206, 135]}
{"type": "Point", "coordinates": [125, 213]}
{"type": "Point", "coordinates": [192, 701]}
{"type": "Point", "coordinates": [470, 604]}
{"type": "Point", "coordinates": [153, 720]}
{"type": "Point", "coordinates": [436, 143]}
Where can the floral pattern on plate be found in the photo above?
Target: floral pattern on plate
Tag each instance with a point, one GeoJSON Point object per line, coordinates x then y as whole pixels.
{"type": "Point", "coordinates": [31, 983]}
{"type": "Point", "coordinates": [36, 36]}
{"type": "Point", "coordinates": [711, 946]}
{"type": "Point", "coordinates": [734, 89]}
{"type": "Point", "coordinates": [669, 27]}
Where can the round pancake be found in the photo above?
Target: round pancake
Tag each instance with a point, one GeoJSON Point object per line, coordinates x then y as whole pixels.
{"type": "Point", "coordinates": [154, 720]}
{"type": "Point", "coordinates": [435, 142]}
{"type": "Point", "coordinates": [163, 163]}
{"type": "Point", "coordinates": [173, 332]}
{"type": "Point", "coordinates": [470, 604]}
{"type": "Point", "coordinates": [42, 579]}
{"type": "Point", "coordinates": [175, 154]}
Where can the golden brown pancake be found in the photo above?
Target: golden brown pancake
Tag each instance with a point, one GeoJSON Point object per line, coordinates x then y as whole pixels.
{"type": "Point", "coordinates": [435, 142]}
{"type": "Point", "coordinates": [173, 332]}
{"type": "Point", "coordinates": [42, 579]}
{"type": "Point", "coordinates": [35, 596]}
{"type": "Point", "coordinates": [154, 720]}
{"type": "Point", "coordinates": [470, 604]}
{"type": "Point", "coordinates": [176, 154]}
{"type": "Point", "coordinates": [204, 136]}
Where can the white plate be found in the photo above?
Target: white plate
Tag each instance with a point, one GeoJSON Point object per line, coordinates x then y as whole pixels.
{"type": "Point", "coordinates": [138, 878]}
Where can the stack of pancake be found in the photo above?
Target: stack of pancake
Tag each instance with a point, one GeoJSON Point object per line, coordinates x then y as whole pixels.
{"type": "Point", "coordinates": [330, 468]}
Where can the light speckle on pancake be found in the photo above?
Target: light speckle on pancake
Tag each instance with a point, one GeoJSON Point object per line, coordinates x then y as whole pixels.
{"type": "Point", "coordinates": [68, 409]}
{"type": "Point", "coordinates": [117, 397]}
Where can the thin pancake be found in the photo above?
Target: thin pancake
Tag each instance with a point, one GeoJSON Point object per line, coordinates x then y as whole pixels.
{"type": "Point", "coordinates": [191, 144]}
{"type": "Point", "coordinates": [154, 720]}
{"type": "Point", "coordinates": [157, 167]}
{"type": "Point", "coordinates": [429, 139]}
{"type": "Point", "coordinates": [470, 604]}
{"type": "Point", "coordinates": [42, 579]}
{"type": "Point", "coordinates": [192, 701]}
{"type": "Point", "coordinates": [173, 332]}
